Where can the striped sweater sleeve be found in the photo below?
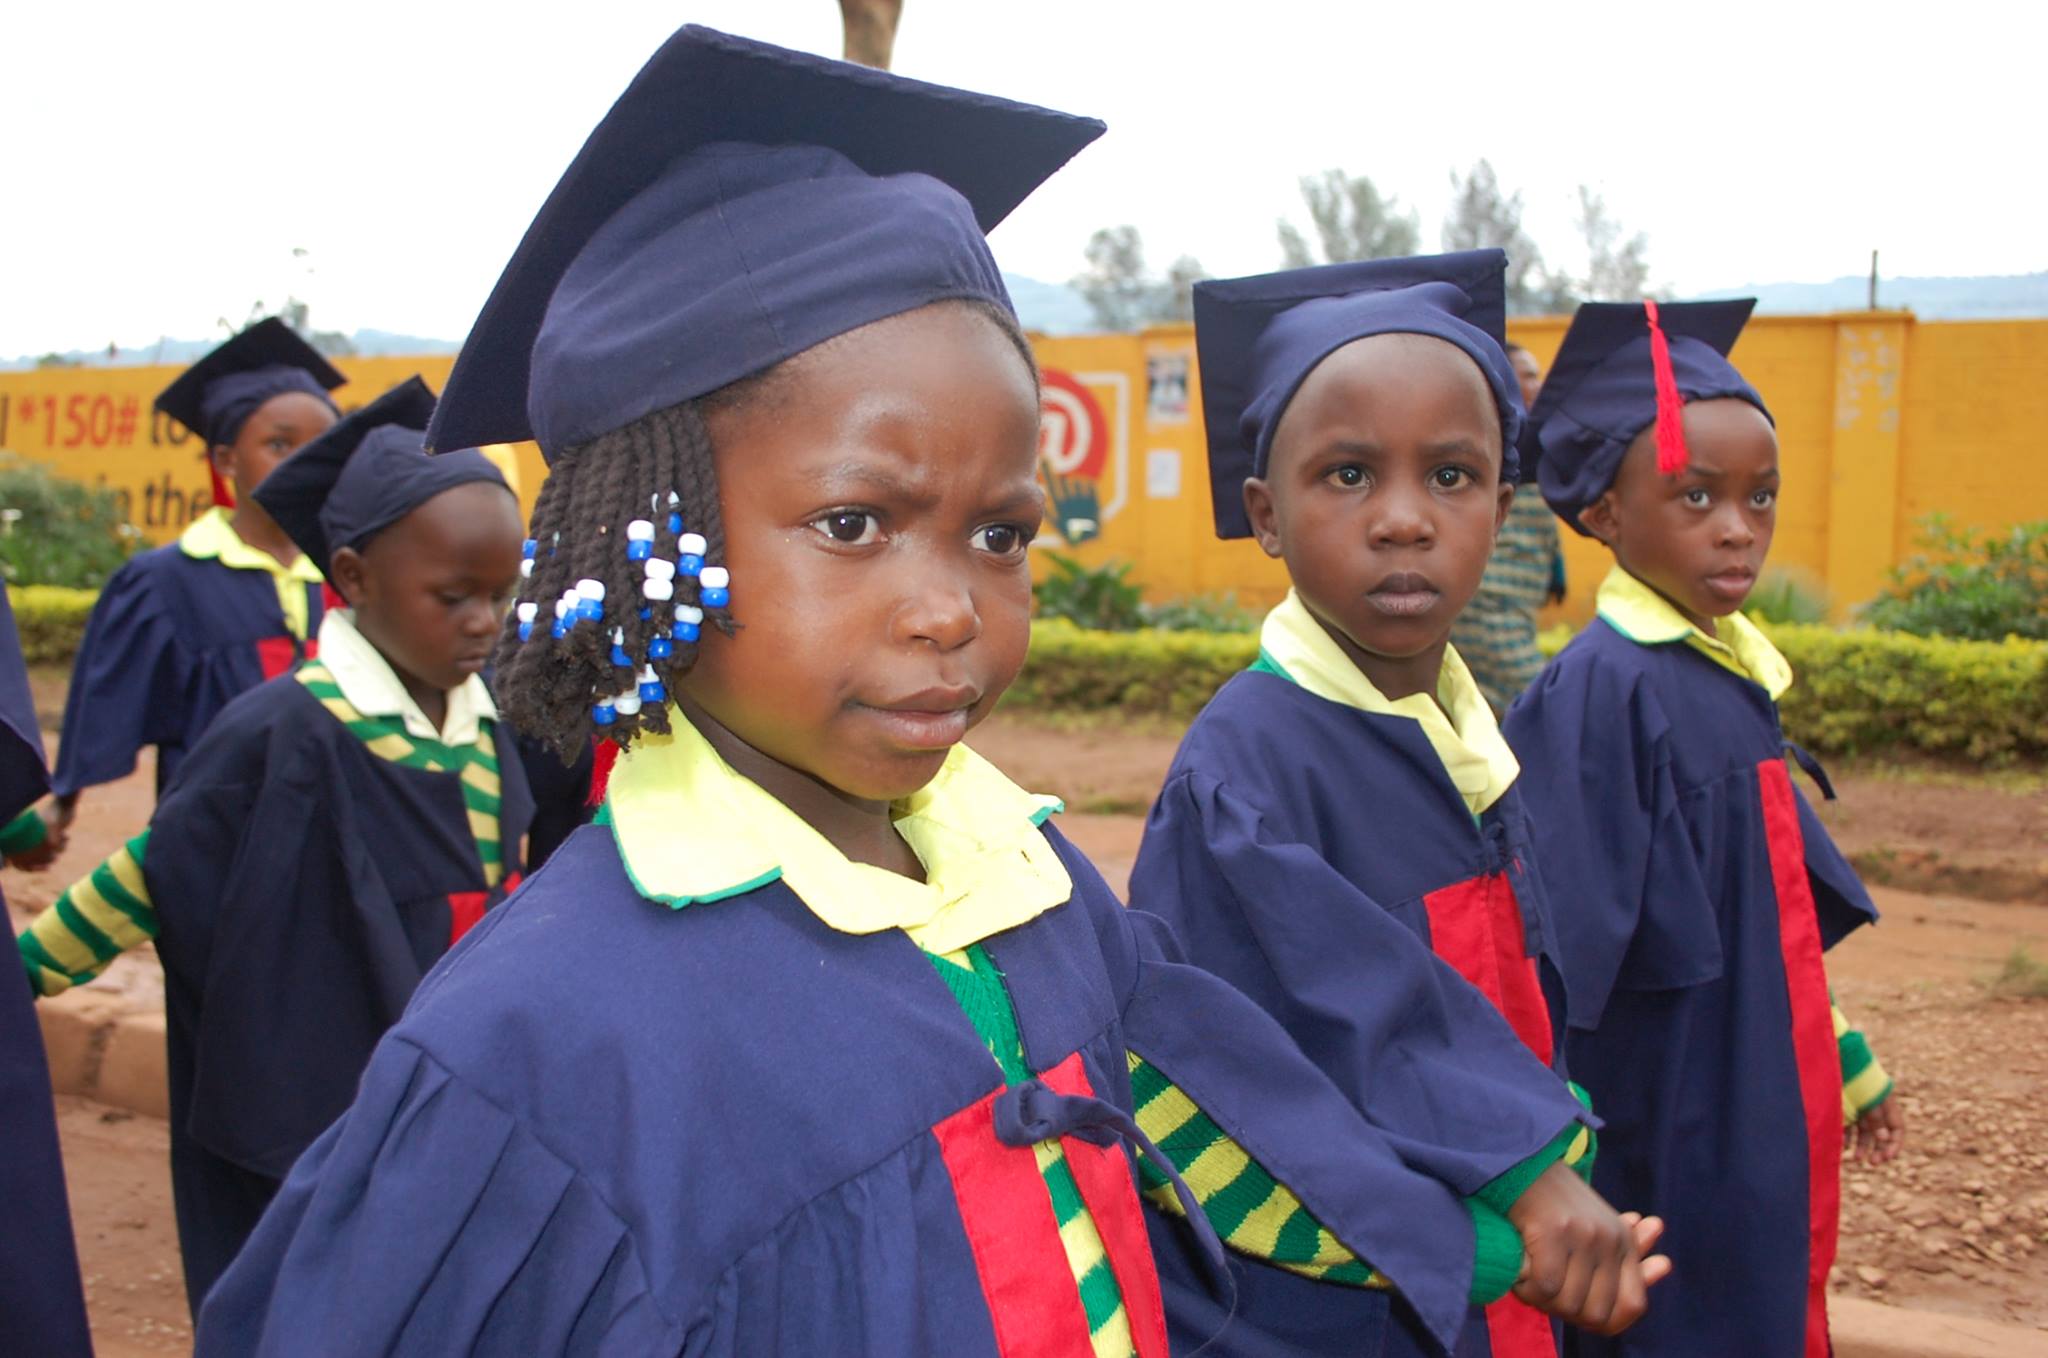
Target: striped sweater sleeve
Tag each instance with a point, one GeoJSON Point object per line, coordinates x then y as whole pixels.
{"type": "Point", "coordinates": [1864, 1082]}
{"type": "Point", "coordinates": [1257, 1215]}
{"type": "Point", "coordinates": [96, 919]}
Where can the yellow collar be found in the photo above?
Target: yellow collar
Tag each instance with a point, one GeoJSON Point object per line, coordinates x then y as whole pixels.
{"type": "Point", "coordinates": [1468, 741]}
{"type": "Point", "coordinates": [1644, 616]}
{"type": "Point", "coordinates": [373, 688]}
{"type": "Point", "coordinates": [212, 537]}
{"type": "Point", "coordinates": [692, 830]}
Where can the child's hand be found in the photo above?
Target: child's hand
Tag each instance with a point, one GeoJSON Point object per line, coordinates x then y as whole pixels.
{"type": "Point", "coordinates": [1581, 1262]}
{"type": "Point", "coordinates": [1879, 1134]}
{"type": "Point", "coordinates": [38, 858]}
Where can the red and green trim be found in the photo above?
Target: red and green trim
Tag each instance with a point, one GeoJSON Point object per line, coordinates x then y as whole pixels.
{"type": "Point", "coordinates": [1813, 1039]}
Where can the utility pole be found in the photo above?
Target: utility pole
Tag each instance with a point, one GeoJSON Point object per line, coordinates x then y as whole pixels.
{"type": "Point", "coordinates": [1873, 280]}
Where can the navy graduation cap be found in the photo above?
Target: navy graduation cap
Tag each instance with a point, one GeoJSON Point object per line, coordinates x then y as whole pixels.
{"type": "Point", "coordinates": [365, 474]}
{"type": "Point", "coordinates": [1623, 367]}
{"type": "Point", "coordinates": [738, 205]}
{"type": "Point", "coordinates": [216, 396]}
{"type": "Point", "coordinates": [1257, 340]}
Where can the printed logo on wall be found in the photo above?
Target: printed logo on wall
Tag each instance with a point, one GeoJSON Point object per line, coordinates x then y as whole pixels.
{"type": "Point", "coordinates": [1166, 387]}
{"type": "Point", "coordinates": [1083, 454]}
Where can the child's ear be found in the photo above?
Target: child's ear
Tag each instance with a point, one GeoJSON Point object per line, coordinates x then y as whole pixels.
{"type": "Point", "coordinates": [222, 456]}
{"type": "Point", "coordinates": [1500, 511]}
{"type": "Point", "coordinates": [1265, 518]}
{"type": "Point", "coordinates": [1600, 519]}
{"type": "Point", "coordinates": [347, 572]}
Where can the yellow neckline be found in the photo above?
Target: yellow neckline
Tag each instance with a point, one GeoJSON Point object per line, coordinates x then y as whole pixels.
{"type": "Point", "coordinates": [1644, 616]}
{"type": "Point", "coordinates": [691, 830]}
{"type": "Point", "coordinates": [1467, 741]}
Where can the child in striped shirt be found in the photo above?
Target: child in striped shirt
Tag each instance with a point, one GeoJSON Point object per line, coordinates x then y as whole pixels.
{"type": "Point", "coordinates": [332, 834]}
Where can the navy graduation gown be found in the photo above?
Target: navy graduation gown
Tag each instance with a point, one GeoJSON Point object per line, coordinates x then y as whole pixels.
{"type": "Point", "coordinates": [42, 1309]}
{"type": "Point", "coordinates": [172, 640]}
{"type": "Point", "coordinates": [303, 886]}
{"type": "Point", "coordinates": [1696, 892]}
{"type": "Point", "coordinates": [1320, 859]}
{"type": "Point", "coordinates": [608, 1127]}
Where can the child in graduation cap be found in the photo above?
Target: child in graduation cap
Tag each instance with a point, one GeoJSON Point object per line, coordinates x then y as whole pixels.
{"type": "Point", "coordinates": [182, 630]}
{"type": "Point", "coordinates": [332, 834]}
{"type": "Point", "coordinates": [826, 1040]}
{"type": "Point", "coordinates": [1695, 888]}
{"type": "Point", "coordinates": [1341, 834]}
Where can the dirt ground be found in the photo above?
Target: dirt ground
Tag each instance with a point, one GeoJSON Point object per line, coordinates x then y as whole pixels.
{"type": "Point", "coordinates": [1958, 1224]}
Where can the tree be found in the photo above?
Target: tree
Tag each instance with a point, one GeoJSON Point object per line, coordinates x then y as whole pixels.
{"type": "Point", "coordinates": [1617, 270]}
{"type": "Point", "coordinates": [1352, 220]}
{"type": "Point", "coordinates": [1481, 216]}
{"type": "Point", "coordinates": [870, 30]}
{"type": "Point", "coordinates": [1121, 292]}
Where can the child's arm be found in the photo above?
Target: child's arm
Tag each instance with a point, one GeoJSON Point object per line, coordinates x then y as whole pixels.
{"type": "Point", "coordinates": [30, 843]}
{"type": "Point", "coordinates": [1872, 1119]}
{"type": "Point", "coordinates": [96, 919]}
{"type": "Point", "coordinates": [1427, 1058]}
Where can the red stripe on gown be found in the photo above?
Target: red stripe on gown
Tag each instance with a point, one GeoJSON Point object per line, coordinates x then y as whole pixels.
{"type": "Point", "coordinates": [277, 655]}
{"type": "Point", "coordinates": [1813, 1040]}
{"type": "Point", "coordinates": [1103, 1174]}
{"type": "Point", "coordinates": [1476, 926]}
{"type": "Point", "coordinates": [1007, 1210]}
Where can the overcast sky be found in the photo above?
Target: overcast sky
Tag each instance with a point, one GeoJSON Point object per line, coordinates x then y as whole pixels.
{"type": "Point", "coordinates": [164, 160]}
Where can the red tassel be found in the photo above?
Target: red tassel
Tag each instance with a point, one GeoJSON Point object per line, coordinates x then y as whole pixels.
{"type": "Point", "coordinates": [330, 598]}
{"type": "Point", "coordinates": [223, 494]}
{"type": "Point", "coordinates": [602, 758]}
{"type": "Point", "coordinates": [1672, 456]}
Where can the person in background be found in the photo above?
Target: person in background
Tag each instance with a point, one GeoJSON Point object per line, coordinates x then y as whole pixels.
{"type": "Point", "coordinates": [182, 630]}
{"type": "Point", "coordinates": [332, 833]}
{"type": "Point", "coordinates": [1496, 634]}
{"type": "Point", "coordinates": [42, 1308]}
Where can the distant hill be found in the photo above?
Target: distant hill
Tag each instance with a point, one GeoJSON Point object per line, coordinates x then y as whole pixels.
{"type": "Point", "coordinates": [1056, 309]}
{"type": "Point", "coordinates": [1991, 297]}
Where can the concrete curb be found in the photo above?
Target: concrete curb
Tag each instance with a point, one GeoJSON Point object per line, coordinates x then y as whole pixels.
{"type": "Point", "coordinates": [104, 1048]}
{"type": "Point", "coordinates": [1869, 1329]}
{"type": "Point", "coordinates": [108, 1048]}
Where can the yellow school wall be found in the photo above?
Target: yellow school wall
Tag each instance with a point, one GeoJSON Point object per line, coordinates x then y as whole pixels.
{"type": "Point", "coordinates": [1882, 420]}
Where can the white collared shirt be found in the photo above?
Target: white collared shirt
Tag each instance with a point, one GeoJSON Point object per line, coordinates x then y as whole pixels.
{"type": "Point", "coordinates": [373, 688]}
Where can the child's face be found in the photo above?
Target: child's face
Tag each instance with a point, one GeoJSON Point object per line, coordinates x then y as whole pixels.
{"type": "Point", "coordinates": [1698, 538]}
{"type": "Point", "coordinates": [1383, 493]}
{"type": "Point", "coordinates": [276, 431]}
{"type": "Point", "coordinates": [431, 591]}
{"type": "Point", "coordinates": [878, 497]}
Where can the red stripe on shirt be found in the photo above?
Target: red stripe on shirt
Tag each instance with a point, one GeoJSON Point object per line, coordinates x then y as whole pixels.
{"type": "Point", "coordinates": [1476, 926]}
{"type": "Point", "coordinates": [1103, 1174]}
{"type": "Point", "coordinates": [1813, 1040]}
{"type": "Point", "coordinates": [1032, 1301]}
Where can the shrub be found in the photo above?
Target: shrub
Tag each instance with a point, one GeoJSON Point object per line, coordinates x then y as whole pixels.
{"type": "Point", "coordinates": [1101, 597]}
{"type": "Point", "coordinates": [58, 532]}
{"type": "Point", "coordinates": [1964, 583]}
{"type": "Point", "coordinates": [51, 619]}
{"type": "Point", "coordinates": [1787, 596]}
{"type": "Point", "coordinates": [1858, 692]}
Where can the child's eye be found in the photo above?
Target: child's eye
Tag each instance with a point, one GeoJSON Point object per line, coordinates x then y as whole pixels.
{"type": "Point", "coordinates": [1350, 474]}
{"type": "Point", "coordinates": [1001, 539]}
{"type": "Point", "coordinates": [1696, 497]}
{"type": "Point", "coordinates": [849, 527]}
{"type": "Point", "coordinates": [453, 600]}
{"type": "Point", "coordinates": [1764, 499]}
{"type": "Point", "coordinates": [1449, 478]}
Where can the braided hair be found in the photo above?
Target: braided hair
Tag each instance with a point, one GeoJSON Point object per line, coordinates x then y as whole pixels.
{"type": "Point", "coordinates": [553, 681]}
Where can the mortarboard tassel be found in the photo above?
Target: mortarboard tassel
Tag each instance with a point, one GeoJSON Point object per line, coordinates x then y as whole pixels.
{"type": "Point", "coordinates": [223, 493]}
{"type": "Point", "coordinates": [1672, 456]}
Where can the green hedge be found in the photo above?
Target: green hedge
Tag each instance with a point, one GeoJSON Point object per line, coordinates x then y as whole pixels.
{"type": "Point", "coordinates": [51, 619]}
{"type": "Point", "coordinates": [1859, 692]}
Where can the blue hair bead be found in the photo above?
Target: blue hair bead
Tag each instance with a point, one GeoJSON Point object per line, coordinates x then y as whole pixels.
{"type": "Point", "coordinates": [529, 548]}
{"type": "Point", "coordinates": [715, 598]}
{"type": "Point", "coordinates": [603, 714]}
{"type": "Point", "coordinates": [637, 550]}
{"type": "Point", "coordinates": [526, 631]}
{"type": "Point", "coordinates": [661, 648]}
{"type": "Point", "coordinates": [687, 631]}
{"type": "Point", "coordinates": [560, 629]}
{"type": "Point", "coordinates": [620, 658]}
{"type": "Point", "coordinates": [689, 563]}
{"type": "Point", "coordinates": [651, 690]}
{"type": "Point", "coordinates": [675, 523]}
{"type": "Point", "coordinates": [646, 613]}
